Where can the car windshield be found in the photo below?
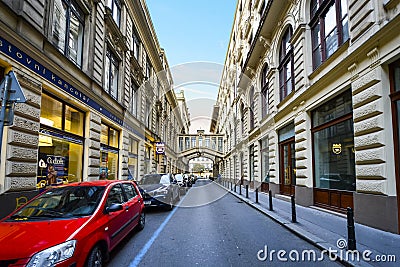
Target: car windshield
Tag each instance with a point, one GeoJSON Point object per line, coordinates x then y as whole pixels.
{"type": "Point", "coordinates": [179, 177]}
{"type": "Point", "coordinates": [151, 179]}
{"type": "Point", "coordinates": [62, 202]}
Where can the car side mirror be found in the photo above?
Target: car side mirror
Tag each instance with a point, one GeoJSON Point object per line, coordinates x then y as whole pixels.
{"type": "Point", "coordinates": [114, 207]}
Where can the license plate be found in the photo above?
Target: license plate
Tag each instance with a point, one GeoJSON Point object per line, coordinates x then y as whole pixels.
{"type": "Point", "coordinates": [147, 202]}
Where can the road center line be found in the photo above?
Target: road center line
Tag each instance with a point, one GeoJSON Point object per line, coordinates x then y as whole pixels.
{"type": "Point", "coordinates": [147, 246]}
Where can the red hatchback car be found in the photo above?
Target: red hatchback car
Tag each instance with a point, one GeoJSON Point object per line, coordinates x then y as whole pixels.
{"type": "Point", "coordinates": [72, 225]}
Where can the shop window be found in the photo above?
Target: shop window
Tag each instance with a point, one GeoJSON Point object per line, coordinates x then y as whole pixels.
{"type": "Point", "coordinates": [251, 163]}
{"type": "Point", "coordinates": [264, 160]}
{"type": "Point", "coordinates": [60, 142]}
{"type": "Point", "coordinates": [59, 115]}
{"type": "Point", "coordinates": [115, 7]}
{"type": "Point", "coordinates": [147, 159]}
{"type": "Point", "coordinates": [395, 98]}
{"type": "Point", "coordinates": [109, 150]}
{"type": "Point", "coordinates": [133, 158]}
{"type": "Point", "coordinates": [68, 27]}
{"type": "Point", "coordinates": [333, 144]}
{"type": "Point", "coordinates": [2, 73]}
{"type": "Point", "coordinates": [111, 74]}
{"type": "Point", "coordinates": [286, 65]}
{"type": "Point", "coordinates": [329, 28]}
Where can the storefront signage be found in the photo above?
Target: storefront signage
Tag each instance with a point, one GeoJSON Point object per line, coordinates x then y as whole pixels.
{"type": "Point", "coordinates": [38, 68]}
{"type": "Point", "coordinates": [337, 148]}
{"type": "Point", "coordinates": [160, 148]}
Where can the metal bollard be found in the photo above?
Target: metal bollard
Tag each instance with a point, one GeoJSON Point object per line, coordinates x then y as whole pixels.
{"type": "Point", "coordinates": [270, 200]}
{"type": "Point", "coordinates": [257, 195]}
{"type": "Point", "coordinates": [235, 188]}
{"type": "Point", "coordinates": [351, 235]}
{"type": "Point", "coordinates": [294, 219]}
{"type": "Point", "coordinates": [240, 189]}
{"type": "Point", "coordinates": [247, 191]}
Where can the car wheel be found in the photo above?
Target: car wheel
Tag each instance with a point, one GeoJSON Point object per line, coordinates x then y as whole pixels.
{"type": "Point", "coordinates": [170, 204]}
{"type": "Point", "coordinates": [95, 258]}
{"type": "Point", "coordinates": [142, 221]}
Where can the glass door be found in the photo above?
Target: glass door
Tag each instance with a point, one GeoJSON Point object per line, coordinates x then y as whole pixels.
{"type": "Point", "coordinates": [288, 167]}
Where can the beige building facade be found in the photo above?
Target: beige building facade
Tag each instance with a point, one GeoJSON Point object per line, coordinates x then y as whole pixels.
{"type": "Point", "coordinates": [309, 104]}
{"type": "Point", "coordinates": [100, 99]}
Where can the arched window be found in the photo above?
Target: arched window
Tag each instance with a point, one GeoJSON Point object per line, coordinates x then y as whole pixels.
{"type": "Point", "coordinates": [329, 28]}
{"type": "Point", "coordinates": [252, 107]}
{"type": "Point", "coordinates": [286, 65]}
{"type": "Point", "coordinates": [264, 91]}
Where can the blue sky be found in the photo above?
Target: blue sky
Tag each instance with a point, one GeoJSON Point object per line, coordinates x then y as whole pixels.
{"type": "Point", "coordinates": [195, 36]}
{"type": "Point", "coordinates": [193, 30]}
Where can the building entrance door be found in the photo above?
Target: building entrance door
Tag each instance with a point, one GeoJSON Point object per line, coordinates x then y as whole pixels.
{"type": "Point", "coordinates": [288, 166]}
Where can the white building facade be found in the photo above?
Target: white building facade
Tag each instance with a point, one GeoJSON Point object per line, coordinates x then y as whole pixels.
{"type": "Point", "coordinates": [309, 104]}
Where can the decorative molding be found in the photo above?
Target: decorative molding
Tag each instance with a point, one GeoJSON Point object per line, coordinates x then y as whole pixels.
{"type": "Point", "coordinates": [251, 70]}
{"type": "Point", "coordinates": [353, 70]}
{"type": "Point", "coordinates": [265, 42]}
{"type": "Point", "coordinates": [374, 57]}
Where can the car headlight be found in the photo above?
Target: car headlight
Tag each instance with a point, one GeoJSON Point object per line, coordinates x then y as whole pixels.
{"type": "Point", "coordinates": [53, 255]}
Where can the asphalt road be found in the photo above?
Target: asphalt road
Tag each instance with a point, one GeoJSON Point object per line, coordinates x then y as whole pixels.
{"type": "Point", "coordinates": [210, 227]}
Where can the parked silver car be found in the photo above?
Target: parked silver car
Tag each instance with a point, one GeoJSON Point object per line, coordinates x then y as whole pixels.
{"type": "Point", "coordinates": [159, 189]}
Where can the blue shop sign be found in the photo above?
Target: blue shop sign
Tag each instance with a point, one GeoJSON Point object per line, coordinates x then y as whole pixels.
{"type": "Point", "coordinates": [15, 53]}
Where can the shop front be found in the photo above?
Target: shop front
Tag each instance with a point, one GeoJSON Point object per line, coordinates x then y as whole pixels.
{"type": "Point", "coordinates": [333, 153]}
{"type": "Point", "coordinates": [61, 143]}
{"type": "Point", "coordinates": [287, 160]}
{"type": "Point", "coordinates": [109, 152]}
{"type": "Point", "coordinates": [395, 98]}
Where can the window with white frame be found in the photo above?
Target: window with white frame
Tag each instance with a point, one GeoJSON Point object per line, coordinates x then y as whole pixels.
{"type": "Point", "coordinates": [68, 27]}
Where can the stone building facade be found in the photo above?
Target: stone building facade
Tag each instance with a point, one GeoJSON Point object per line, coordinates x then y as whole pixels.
{"type": "Point", "coordinates": [99, 95]}
{"type": "Point", "coordinates": [309, 103]}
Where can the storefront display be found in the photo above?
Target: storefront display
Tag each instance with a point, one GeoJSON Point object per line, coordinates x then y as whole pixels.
{"type": "Point", "coordinates": [109, 152]}
{"type": "Point", "coordinates": [60, 143]}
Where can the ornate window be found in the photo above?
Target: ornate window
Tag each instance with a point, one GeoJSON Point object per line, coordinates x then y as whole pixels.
{"type": "Point", "coordinates": [286, 65]}
{"type": "Point", "coordinates": [264, 91]}
{"type": "Point", "coordinates": [329, 28]}
{"type": "Point", "coordinates": [111, 74]}
{"type": "Point", "coordinates": [68, 25]}
{"type": "Point", "coordinates": [252, 107]}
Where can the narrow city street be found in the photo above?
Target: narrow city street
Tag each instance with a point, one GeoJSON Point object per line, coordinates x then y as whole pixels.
{"type": "Point", "coordinates": [210, 227]}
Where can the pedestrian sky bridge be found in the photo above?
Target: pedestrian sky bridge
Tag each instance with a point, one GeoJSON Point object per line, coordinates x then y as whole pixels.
{"type": "Point", "coordinates": [197, 145]}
